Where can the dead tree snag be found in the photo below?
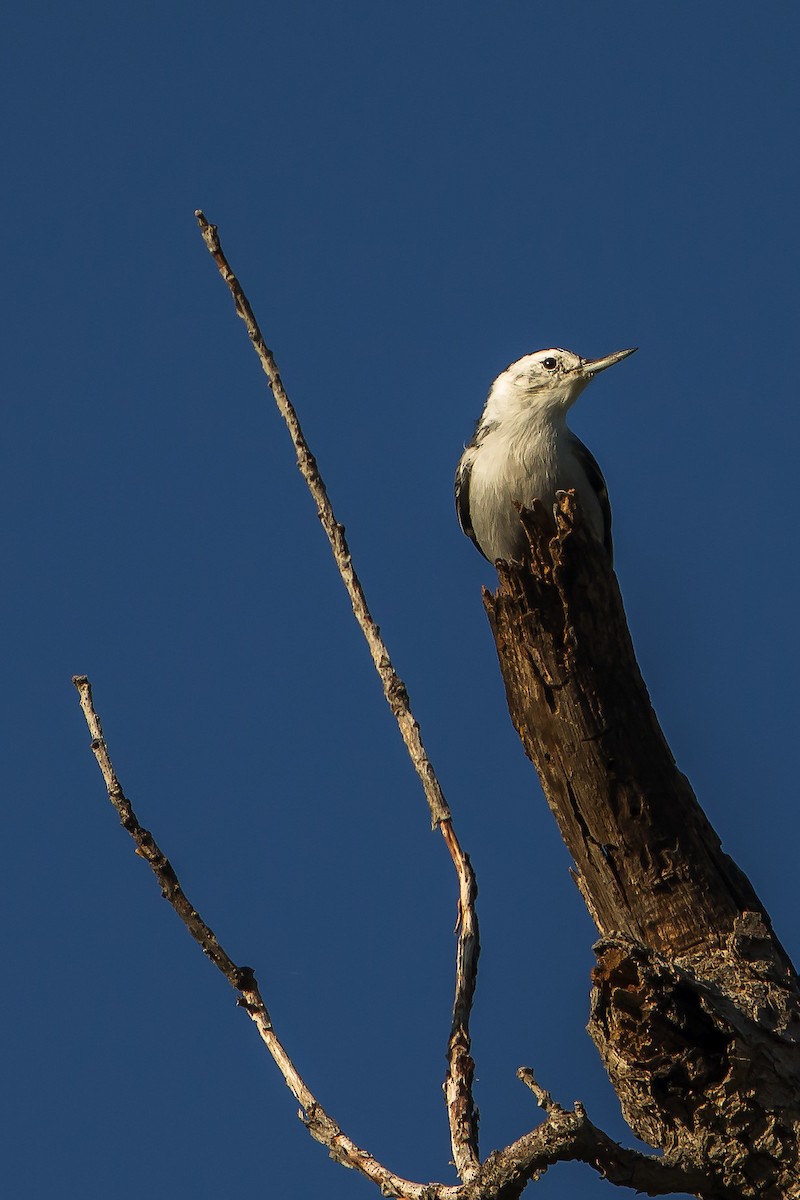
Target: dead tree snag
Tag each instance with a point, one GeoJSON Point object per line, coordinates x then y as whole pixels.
{"type": "Point", "coordinates": [695, 1005]}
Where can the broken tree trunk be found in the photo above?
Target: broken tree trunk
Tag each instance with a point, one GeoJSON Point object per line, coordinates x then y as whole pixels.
{"type": "Point", "coordinates": [695, 1006]}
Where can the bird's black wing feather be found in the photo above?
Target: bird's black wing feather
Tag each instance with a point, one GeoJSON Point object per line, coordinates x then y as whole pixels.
{"type": "Point", "coordinates": [462, 501]}
{"type": "Point", "coordinates": [598, 484]}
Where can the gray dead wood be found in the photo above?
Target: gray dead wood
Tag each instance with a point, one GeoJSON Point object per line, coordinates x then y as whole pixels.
{"type": "Point", "coordinates": [695, 1007]}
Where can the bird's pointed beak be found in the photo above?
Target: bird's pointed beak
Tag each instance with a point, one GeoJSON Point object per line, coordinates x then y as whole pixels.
{"type": "Point", "coordinates": [593, 366]}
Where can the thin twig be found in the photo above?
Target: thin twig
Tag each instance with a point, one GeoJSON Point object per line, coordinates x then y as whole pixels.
{"type": "Point", "coordinates": [458, 1084]}
{"type": "Point", "coordinates": [319, 1124]}
{"type": "Point", "coordinates": [393, 686]}
{"type": "Point", "coordinates": [543, 1098]}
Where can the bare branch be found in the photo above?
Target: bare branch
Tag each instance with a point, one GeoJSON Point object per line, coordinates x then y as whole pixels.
{"type": "Point", "coordinates": [462, 1114]}
{"type": "Point", "coordinates": [393, 686]}
{"type": "Point", "coordinates": [319, 1124]}
{"type": "Point", "coordinates": [543, 1098]}
{"type": "Point", "coordinates": [458, 1085]}
{"type": "Point", "coordinates": [571, 1137]}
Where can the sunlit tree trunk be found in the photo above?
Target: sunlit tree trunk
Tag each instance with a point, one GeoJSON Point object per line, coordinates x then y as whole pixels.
{"type": "Point", "coordinates": [694, 1004]}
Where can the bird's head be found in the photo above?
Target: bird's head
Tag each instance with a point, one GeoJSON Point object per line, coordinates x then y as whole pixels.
{"type": "Point", "coordinates": [548, 381]}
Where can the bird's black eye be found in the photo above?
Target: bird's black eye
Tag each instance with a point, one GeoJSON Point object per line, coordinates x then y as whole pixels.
{"type": "Point", "coordinates": [550, 363]}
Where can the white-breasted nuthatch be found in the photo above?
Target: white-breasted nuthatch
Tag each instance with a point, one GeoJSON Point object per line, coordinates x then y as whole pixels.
{"type": "Point", "coordinates": [523, 451]}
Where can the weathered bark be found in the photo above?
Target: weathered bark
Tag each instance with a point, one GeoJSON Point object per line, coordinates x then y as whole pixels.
{"type": "Point", "coordinates": [695, 1005]}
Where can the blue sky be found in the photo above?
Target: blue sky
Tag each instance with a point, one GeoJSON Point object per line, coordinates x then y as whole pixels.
{"type": "Point", "coordinates": [413, 196]}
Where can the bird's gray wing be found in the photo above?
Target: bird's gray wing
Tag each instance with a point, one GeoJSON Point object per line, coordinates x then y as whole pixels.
{"type": "Point", "coordinates": [593, 473]}
{"type": "Point", "coordinates": [463, 475]}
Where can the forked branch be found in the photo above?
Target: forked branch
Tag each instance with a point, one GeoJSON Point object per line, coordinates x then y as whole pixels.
{"type": "Point", "coordinates": [318, 1122]}
{"type": "Point", "coordinates": [563, 1136]}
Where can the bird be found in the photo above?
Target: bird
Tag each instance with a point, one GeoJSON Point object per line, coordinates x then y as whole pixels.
{"type": "Point", "coordinates": [522, 450]}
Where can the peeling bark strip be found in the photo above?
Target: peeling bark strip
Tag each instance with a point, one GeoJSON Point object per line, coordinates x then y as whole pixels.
{"type": "Point", "coordinates": [695, 1007]}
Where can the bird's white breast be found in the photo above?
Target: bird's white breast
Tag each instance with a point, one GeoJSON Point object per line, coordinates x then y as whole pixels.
{"type": "Point", "coordinates": [518, 463]}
